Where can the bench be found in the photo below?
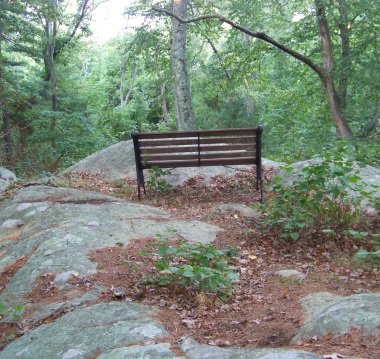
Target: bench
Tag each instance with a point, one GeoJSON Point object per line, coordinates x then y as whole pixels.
{"type": "Point", "coordinates": [198, 149]}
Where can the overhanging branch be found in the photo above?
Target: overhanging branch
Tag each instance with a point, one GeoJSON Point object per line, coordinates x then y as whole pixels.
{"type": "Point", "coordinates": [259, 35]}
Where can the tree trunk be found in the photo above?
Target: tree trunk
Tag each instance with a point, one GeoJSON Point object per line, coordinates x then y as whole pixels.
{"type": "Point", "coordinates": [4, 112]}
{"type": "Point", "coordinates": [342, 128]}
{"type": "Point", "coordinates": [51, 33]}
{"type": "Point", "coordinates": [124, 100]}
{"type": "Point", "coordinates": [327, 76]}
{"type": "Point", "coordinates": [344, 34]}
{"type": "Point", "coordinates": [182, 93]}
{"type": "Point", "coordinates": [1, 83]}
{"type": "Point", "coordinates": [164, 106]}
{"type": "Point", "coordinates": [7, 136]}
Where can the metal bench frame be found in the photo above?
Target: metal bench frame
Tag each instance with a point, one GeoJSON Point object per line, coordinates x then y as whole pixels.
{"type": "Point", "coordinates": [197, 149]}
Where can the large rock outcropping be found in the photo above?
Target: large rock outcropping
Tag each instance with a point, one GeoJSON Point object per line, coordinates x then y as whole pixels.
{"type": "Point", "coordinates": [54, 228]}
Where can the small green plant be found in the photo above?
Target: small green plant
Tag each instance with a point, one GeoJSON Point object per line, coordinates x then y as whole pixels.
{"type": "Point", "coordinates": [325, 196]}
{"type": "Point", "coordinates": [373, 255]}
{"type": "Point", "coordinates": [198, 265]}
{"type": "Point", "coordinates": [133, 264]}
{"type": "Point", "coordinates": [122, 187]}
{"type": "Point", "coordinates": [14, 312]}
{"type": "Point", "coordinates": [155, 180]}
{"type": "Point", "coordinates": [314, 277]}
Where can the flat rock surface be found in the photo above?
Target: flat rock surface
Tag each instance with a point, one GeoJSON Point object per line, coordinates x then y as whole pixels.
{"type": "Point", "coordinates": [87, 331]}
{"type": "Point", "coordinates": [152, 351]}
{"type": "Point", "coordinates": [286, 273]}
{"type": "Point", "coordinates": [241, 209]}
{"type": "Point", "coordinates": [327, 313]}
{"type": "Point", "coordinates": [56, 228]}
{"type": "Point", "coordinates": [194, 350]}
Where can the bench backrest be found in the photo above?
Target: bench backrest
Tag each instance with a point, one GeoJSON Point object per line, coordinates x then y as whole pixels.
{"type": "Point", "coordinates": [198, 148]}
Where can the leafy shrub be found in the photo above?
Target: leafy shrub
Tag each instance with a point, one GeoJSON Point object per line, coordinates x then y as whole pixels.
{"type": "Point", "coordinates": [369, 152]}
{"type": "Point", "coordinates": [320, 198]}
{"type": "Point", "coordinates": [198, 265]}
{"type": "Point", "coordinates": [156, 182]}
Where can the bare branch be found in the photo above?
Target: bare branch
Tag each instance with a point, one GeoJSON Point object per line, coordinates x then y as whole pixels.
{"type": "Point", "coordinates": [84, 10]}
{"type": "Point", "coordinates": [214, 49]}
{"type": "Point", "coordinates": [258, 35]}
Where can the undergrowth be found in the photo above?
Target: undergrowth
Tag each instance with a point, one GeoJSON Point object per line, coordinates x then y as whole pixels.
{"type": "Point", "coordinates": [325, 198]}
{"type": "Point", "coordinates": [199, 265]}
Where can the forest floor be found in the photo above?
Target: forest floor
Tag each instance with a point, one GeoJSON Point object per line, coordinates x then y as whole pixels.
{"type": "Point", "coordinates": [264, 309]}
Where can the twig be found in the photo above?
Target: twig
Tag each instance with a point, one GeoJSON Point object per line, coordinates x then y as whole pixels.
{"type": "Point", "coordinates": [184, 337]}
{"type": "Point", "coordinates": [307, 272]}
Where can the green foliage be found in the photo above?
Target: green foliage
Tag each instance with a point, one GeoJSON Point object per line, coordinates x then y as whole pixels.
{"type": "Point", "coordinates": [198, 265]}
{"type": "Point", "coordinates": [369, 152]}
{"type": "Point", "coordinates": [236, 80]}
{"type": "Point", "coordinates": [325, 196]}
{"type": "Point", "coordinates": [13, 312]}
{"type": "Point", "coordinates": [373, 256]}
{"type": "Point", "coordinates": [156, 182]}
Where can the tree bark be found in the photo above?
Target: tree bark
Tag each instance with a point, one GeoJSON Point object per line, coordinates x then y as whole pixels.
{"type": "Point", "coordinates": [344, 34]}
{"type": "Point", "coordinates": [164, 106]}
{"type": "Point", "coordinates": [327, 79]}
{"type": "Point", "coordinates": [1, 82]}
{"type": "Point", "coordinates": [3, 108]}
{"type": "Point", "coordinates": [50, 28]}
{"type": "Point", "coordinates": [124, 100]}
{"type": "Point", "coordinates": [7, 136]}
{"type": "Point", "coordinates": [182, 92]}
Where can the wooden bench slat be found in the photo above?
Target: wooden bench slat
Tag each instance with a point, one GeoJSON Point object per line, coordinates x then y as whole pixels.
{"type": "Point", "coordinates": [202, 148]}
{"type": "Point", "coordinates": [201, 133]}
{"type": "Point", "coordinates": [167, 158]}
{"type": "Point", "coordinates": [227, 161]}
{"type": "Point", "coordinates": [202, 163]}
{"type": "Point", "coordinates": [167, 142]}
{"type": "Point", "coordinates": [174, 149]}
{"type": "Point", "coordinates": [226, 147]}
{"type": "Point", "coordinates": [213, 140]}
{"type": "Point", "coordinates": [194, 141]}
{"type": "Point", "coordinates": [194, 156]}
{"type": "Point", "coordinates": [231, 155]}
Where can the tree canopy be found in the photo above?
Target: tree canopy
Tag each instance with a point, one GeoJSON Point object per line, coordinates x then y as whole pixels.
{"type": "Point", "coordinates": [308, 71]}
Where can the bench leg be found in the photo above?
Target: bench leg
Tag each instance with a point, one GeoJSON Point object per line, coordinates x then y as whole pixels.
{"type": "Point", "coordinates": [259, 181]}
{"type": "Point", "coordinates": [261, 191]}
{"type": "Point", "coordinates": [140, 182]}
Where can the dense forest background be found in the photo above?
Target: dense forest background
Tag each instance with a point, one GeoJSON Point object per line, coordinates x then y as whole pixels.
{"type": "Point", "coordinates": [64, 95]}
